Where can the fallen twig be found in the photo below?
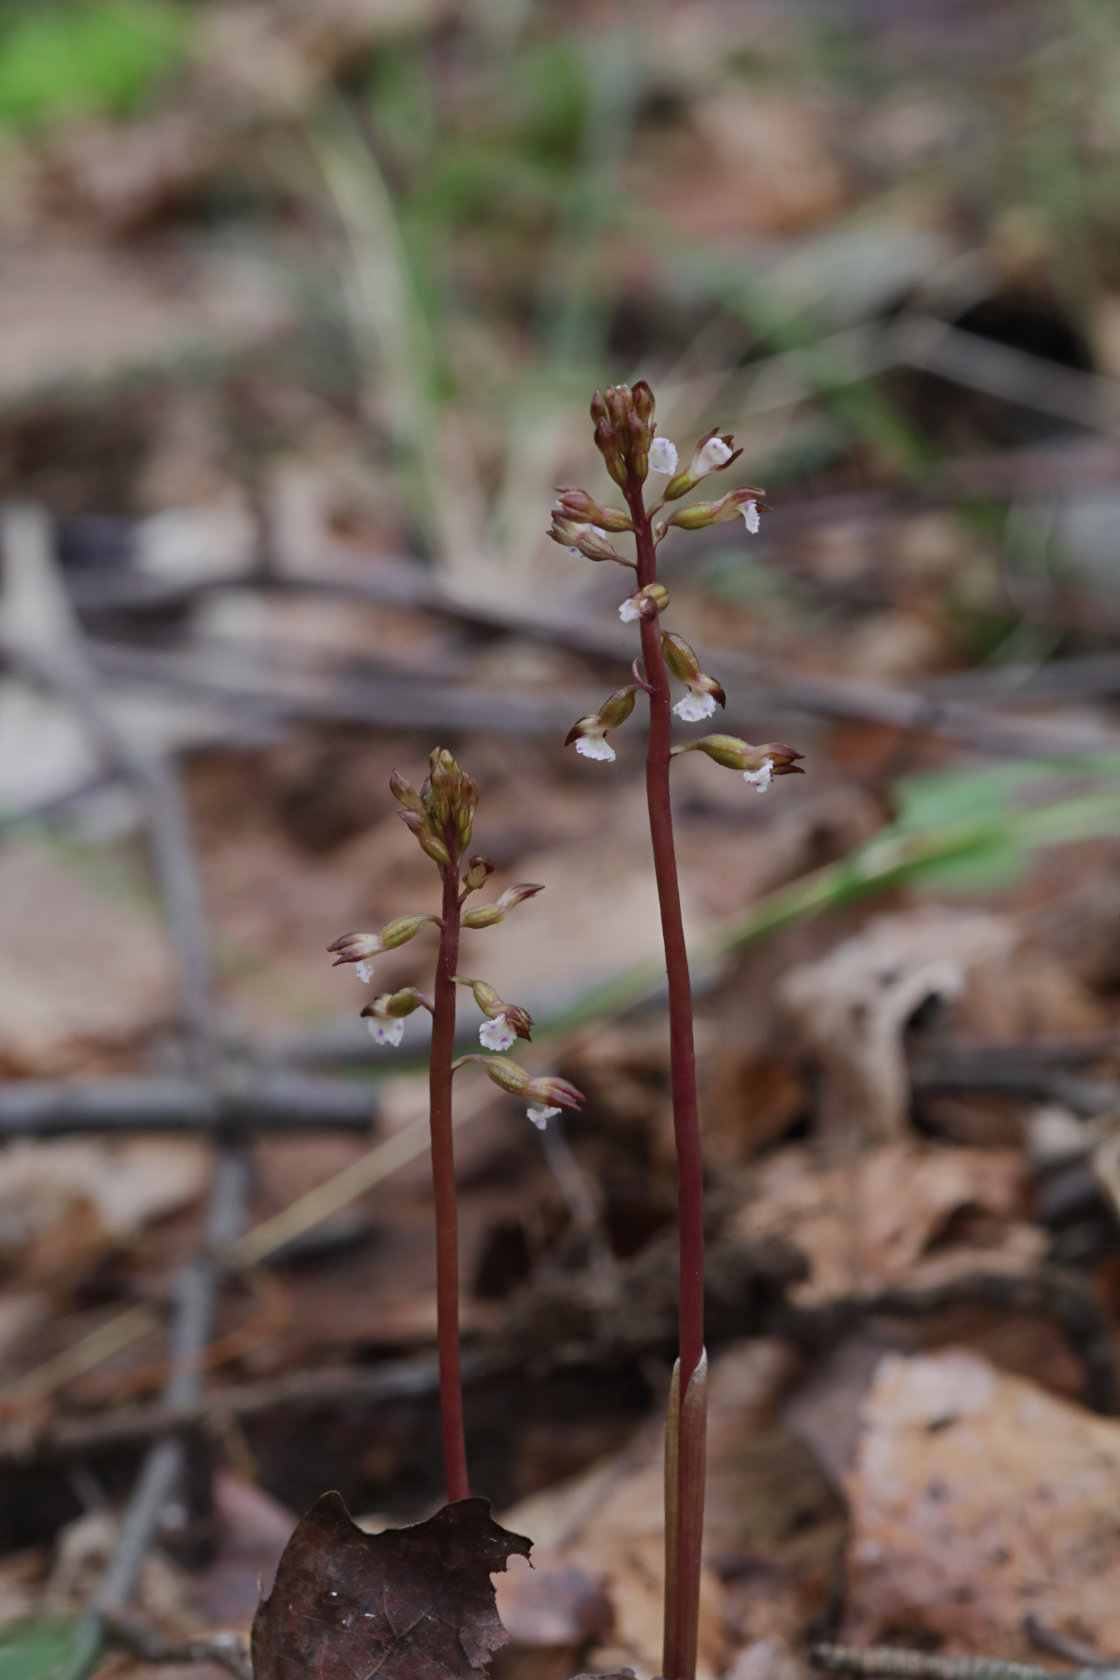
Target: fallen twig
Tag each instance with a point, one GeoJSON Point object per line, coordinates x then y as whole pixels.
{"type": "Point", "coordinates": [895, 1663]}
{"type": "Point", "coordinates": [224, 1649]}
{"type": "Point", "coordinates": [266, 1103]}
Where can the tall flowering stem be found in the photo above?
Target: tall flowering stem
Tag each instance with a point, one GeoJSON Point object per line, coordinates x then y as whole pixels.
{"type": "Point", "coordinates": [625, 435]}
{"type": "Point", "coordinates": [443, 1186]}
{"type": "Point", "coordinates": [440, 816]}
{"type": "Point", "coordinates": [682, 1558]}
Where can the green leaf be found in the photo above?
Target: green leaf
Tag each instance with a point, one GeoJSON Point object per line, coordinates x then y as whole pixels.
{"type": "Point", "coordinates": [40, 1647]}
{"type": "Point", "coordinates": [62, 61]}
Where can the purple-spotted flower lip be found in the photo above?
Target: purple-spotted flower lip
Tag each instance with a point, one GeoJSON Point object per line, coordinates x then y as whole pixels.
{"type": "Point", "coordinates": [663, 457]}
{"type": "Point", "coordinates": [385, 1032]}
{"type": "Point", "coordinates": [497, 1034]}
{"type": "Point", "coordinates": [695, 706]}
{"type": "Point", "coordinates": [540, 1114]}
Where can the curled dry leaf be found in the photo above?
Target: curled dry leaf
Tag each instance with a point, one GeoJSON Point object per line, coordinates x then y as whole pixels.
{"type": "Point", "coordinates": [410, 1604]}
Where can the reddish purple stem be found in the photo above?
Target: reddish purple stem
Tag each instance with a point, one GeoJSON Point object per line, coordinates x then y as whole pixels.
{"type": "Point", "coordinates": [443, 1183]}
{"type": "Point", "coordinates": [686, 1120]}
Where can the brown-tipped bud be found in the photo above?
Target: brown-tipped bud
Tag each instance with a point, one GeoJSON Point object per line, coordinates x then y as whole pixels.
{"type": "Point", "coordinates": [405, 794]}
{"type": "Point", "coordinates": [759, 765]}
{"type": "Point", "coordinates": [477, 873]}
{"type": "Point", "coordinates": [582, 509]}
{"type": "Point", "coordinates": [588, 540]}
{"type": "Point", "coordinates": [679, 657]}
{"type": "Point", "coordinates": [712, 454]}
{"type": "Point", "coordinates": [427, 841]}
{"type": "Point", "coordinates": [485, 915]}
{"type": "Point", "coordinates": [623, 430]}
{"type": "Point", "coordinates": [644, 401]}
{"type": "Point", "coordinates": [698, 515]}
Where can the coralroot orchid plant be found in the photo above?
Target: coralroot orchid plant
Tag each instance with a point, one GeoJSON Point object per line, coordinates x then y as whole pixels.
{"type": "Point", "coordinates": [441, 816]}
{"type": "Point", "coordinates": [626, 437]}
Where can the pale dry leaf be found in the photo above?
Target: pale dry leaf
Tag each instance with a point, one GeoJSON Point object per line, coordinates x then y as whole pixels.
{"type": "Point", "coordinates": [879, 1219]}
{"type": "Point", "coordinates": [850, 1008]}
{"type": "Point", "coordinates": [102, 973]}
{"type": "Point", "coordinates": [977, 1500]}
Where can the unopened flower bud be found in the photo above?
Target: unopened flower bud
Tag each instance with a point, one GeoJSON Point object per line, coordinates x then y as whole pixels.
{"type": "Point", "coordinates": [581, 538]}
{"type": "Point", "coordinates": [477, 872]}
{"type": "Point", "coordinates": [485, 915]}
{"type": "Point", "coordinates": [406, 794]}
{"type": "Point", "coordinates": [645, 603]}
{"type": "Point", "coordinates": [427, 841]}
{"type": "Point", "coordinates": [582, 509]}
{"type": "Point", "coordinates": [623, 430]}
{"type": "Point", "coordinates": [711, 454]}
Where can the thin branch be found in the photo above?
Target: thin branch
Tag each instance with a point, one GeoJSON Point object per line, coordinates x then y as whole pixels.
{"type": "Point", "coordinates": [36, 1108]}
{"type": "Point", "coordinates": [894, 1663]}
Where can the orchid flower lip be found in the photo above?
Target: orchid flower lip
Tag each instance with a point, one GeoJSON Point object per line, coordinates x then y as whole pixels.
{"type": "Point", "coordinates": [364, 970]}
{"type": "Point", "coordinates": [696, 706]}
{"type": "Point", "coordinates": [385, 1032]}
{"type": "Point", "coordinates": [496, 1034]}
{"type": "Point", "coordinates": [715, 453]}
{"type": "Point", "coordinates": [595, 746]}
{"type": "Point", "coordinates": [761, 778]}
{"type": "Point", "coordinates": [540, 1114]}
{"type": "Point", "coordinates": [629, 610]}
{"type": "Point", "coordinates": [751, 519]}
{"type": "Point", "coordinates": [663, 455]}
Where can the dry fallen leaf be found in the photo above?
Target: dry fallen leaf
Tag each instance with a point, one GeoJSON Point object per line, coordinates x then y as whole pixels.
{"type": "Point", "coordinates": [884, 1218]}
{"type": "Point", "coordinates": [851, 1008]}
{"type": "Point", "coordinates": [978, 1499]}
{"type": "Point", "coordinates": [410, 1604]}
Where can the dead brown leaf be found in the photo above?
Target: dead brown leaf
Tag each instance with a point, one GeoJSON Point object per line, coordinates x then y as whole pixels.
{"type": "Point", "coordinates": [409, 1604]}
{"type": "Point", "coordinates": [882, 1218]}
{"type": "Point", "coordinates": [851, 1007]}
{"type": "Point", "coordinates": [977, 1500]}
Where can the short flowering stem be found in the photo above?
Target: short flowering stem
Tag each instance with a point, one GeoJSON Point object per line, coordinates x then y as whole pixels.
{"type": "Point", "coordinates": [682, 1586]}
{"type": "Point", "coordinates": [443, 1182]}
